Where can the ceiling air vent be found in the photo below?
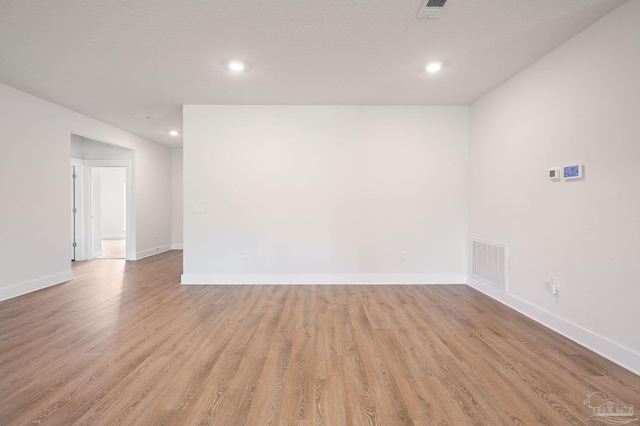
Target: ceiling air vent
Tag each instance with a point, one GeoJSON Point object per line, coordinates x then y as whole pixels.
{"type": "Point", "coordinates": [431, 8]}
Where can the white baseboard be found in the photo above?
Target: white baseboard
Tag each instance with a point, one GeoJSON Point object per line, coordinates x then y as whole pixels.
{"type": "Point", "coordinates": [215, 279]}
{"type": "Point", "coordinates": [176, 246]}
{"type": "Point", "coordinates": [622, 356]}
{"type": "Point", "coordinates": [34, 285]}
{"type": "Point", "coordinates": [114, 236]}
{"type": "Point", "coordinates": [152, 252]}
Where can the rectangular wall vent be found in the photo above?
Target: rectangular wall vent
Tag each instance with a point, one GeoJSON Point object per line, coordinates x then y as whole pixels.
{"type": "Point", "coordinates": [489, 262]}
{"type": "Point", "coordinates": [431, 8]}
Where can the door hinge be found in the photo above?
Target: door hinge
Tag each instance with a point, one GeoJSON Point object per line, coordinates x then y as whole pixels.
{"type": "Point", "coordinates": [74, 175]}
{"type": "Point", "coordinates": [75, 245]}
{"type": "Point", "coordinates": [74, 210]}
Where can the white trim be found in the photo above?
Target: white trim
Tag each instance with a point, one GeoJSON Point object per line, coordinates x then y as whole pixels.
{"type": "Point", "coordinates": [214, 279]}
{"type": "Point", "coordinates": [114, 236]}
{"type": "Point", "coordinates": [107, 163]}
{"type": "Point", "coordinates": [82, 251]}
{"type": "Point", "coordinates": [176, 246]}
{"type": "Point", "coordinates": [622, 356]}
{"type": "Point", "coordinates": [152, 252]}
{"type": "Point", "coordinates": [77, 161]}
{"type": "Point", "coordinates": [35, 285]}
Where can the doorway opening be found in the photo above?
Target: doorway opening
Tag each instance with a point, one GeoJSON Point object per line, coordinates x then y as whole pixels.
{"type": "Point", "coordinates": [109, 212]}
{"type": "Point", "coordinates": [103, 201]}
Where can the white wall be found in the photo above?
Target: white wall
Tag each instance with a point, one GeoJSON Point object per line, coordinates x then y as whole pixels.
{"type": "Point", "coordinates": [177, 205]}
{"type": "Point", "coordinates": [35, 226]}
{"type": "Point", "coordinates": [89, 149]}
{"type": "Point", "coordinates": [579, 104]}
{"type": "Point", "coordinates": [112, 193]}
{"type": "Point", "coordinates": [325, 194]}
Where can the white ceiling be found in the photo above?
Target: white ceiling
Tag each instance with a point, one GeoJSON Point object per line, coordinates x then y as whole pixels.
{"type": "Point", "coordinates": [115, 59]}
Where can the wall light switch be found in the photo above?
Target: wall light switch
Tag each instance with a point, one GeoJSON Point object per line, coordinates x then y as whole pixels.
{"type": "Point", "coordinates": [245, 255]}
{"type": "Point", "coordinates": [197, 208]}
{"type": "Point", "coordinates": [403, 255]}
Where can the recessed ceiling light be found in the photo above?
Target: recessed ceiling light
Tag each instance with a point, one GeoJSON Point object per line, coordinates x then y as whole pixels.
{"type": "Point", "coordinates": [174, 133]}
{"type": "Point", "coordinates": [146, 117]}
{"type": "Point", "coordinates": [236, 66]}
{"type": "Point", "coordinates": [433, 67]}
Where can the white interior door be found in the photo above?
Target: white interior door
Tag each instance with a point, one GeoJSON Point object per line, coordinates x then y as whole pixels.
{"type": "Point", "coordinates": [74, 212]}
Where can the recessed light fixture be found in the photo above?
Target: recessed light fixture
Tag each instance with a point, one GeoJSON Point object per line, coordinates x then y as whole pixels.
{"type": "Point", "coordinates": [146, 117]}
{"type": "Point", "coordinates": [174, 133]}
{"type": "Point", "coordinates": [236, 66]}
{"type": "Point", "coordinates": [433, 67]}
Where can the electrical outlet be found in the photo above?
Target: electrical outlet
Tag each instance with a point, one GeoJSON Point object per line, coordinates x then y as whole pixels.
{"type": "Point", "coordinates": [403, 255]}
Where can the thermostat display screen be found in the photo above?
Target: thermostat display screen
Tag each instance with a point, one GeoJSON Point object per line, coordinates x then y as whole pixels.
{"type": "Point", "coordinates": [572, 172]}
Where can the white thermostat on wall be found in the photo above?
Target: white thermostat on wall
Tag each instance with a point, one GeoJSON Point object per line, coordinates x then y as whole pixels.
{"type": "Point", "coordinates": [555, 174]}
{"type": "Point", "coordinates": [573, 172]}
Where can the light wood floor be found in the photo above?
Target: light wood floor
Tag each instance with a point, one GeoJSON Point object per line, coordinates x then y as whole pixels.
{"type": "Point", "coordinates": [125, 343]}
